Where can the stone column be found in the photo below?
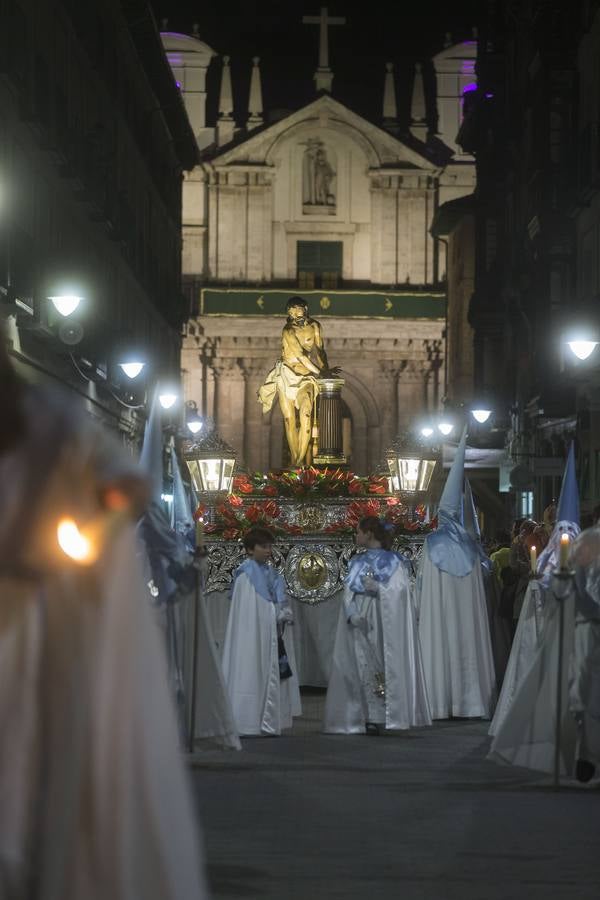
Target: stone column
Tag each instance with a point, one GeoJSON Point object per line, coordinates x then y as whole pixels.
{"type": "Point", "coordinates": [410, 391]}
{"type": "Point", "coordinates": [229, 403]}
{"type": "Point", "coordinates": [388, 393]}
{"type": "Point", "coordinates": [254, 452]}
{"type": "Point", "coordinates": [330, 451]}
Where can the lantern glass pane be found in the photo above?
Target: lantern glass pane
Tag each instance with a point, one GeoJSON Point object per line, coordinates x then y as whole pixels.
{"type": "Point", "coordinates": [408, 471]}
{"type": "Point", "coordinates": [228, 467]}
{"type": "Point", "coordinates": [425, 474]}
{"type": "Point", "coordinates": [192, 465]}
{"type": "Point", "coordinates": [210, 472]}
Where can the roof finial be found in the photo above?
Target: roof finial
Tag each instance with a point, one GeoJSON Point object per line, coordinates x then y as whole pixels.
{"type": "Point", "coordinates": [164, 24]}
{"type": "Point", "coordinates": [390, 107]}
{"type": "Point", "coordinates": [448, 39]}
{"type": "Point", "coordinates": [255, 103]}
{"type": "Point", "coordinates": [323, 76]}
{"type": "Point", "coordinates": [196, 30]}
{"type": "Point", "coordinates": [418, 125]}
{"type": "Point", "coordinates": [225, 123]}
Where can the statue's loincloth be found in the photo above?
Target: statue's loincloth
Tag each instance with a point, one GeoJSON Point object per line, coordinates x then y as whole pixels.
{"type": "Point", "coordinates": [282, 378]}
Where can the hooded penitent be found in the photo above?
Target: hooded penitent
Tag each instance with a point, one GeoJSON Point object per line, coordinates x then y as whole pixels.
{"type": "Point", "coordinates": [567, 518]}
{"type": "Point", "coordinates": [451, 548]}
{"type": "Point", "coordinates": [453, 617]}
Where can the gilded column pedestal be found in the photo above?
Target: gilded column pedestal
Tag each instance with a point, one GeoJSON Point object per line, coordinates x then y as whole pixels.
{"type": "Point", "coordinates": [330, 448]}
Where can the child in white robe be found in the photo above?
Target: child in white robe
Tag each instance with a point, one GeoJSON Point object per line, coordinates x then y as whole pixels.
{"type": "Point", "coordinates": [259, 669]}
{"type": "Point", "coordinates": [377, 678]}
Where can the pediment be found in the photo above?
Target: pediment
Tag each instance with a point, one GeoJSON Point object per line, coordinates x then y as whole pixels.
{"type": "Point", "coordinates": [259, 147]}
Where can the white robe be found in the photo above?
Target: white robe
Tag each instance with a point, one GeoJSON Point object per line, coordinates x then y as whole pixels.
{"type": "Point", "coordinates": [584, 687]}
{"type": "Point", "coordinates": [455, 641]}
{"type": "Point", "coordinates": [94, 798]}
{"type": "Point", "coordinates": [213, 715]}
{"type": "Point", "coordinates": [526, 735]}
{"type": "Point", "coordinates": [392, 646]}
{"type": "Point", "coordinates": [262, 704]}
{"type": "Point", "coordinates": [524, 647]}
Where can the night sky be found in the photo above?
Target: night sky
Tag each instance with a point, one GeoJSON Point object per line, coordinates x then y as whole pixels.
{"type": "Point", "coordinates": [273, 30]}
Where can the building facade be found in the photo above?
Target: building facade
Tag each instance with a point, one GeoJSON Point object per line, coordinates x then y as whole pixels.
{"type": "Point", "coordinates": [323, 203]}
{"type": "Point", "coordinates": [522, 126]}
{"type": "Point", "coordinates": [93, 144]}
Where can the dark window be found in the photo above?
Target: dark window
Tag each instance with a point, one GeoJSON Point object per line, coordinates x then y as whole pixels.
{"type": "Point", "coordinates": [320, 264]}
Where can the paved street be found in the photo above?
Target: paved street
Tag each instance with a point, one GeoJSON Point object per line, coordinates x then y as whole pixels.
{"type": "Point", "coordinates": [419, 815]}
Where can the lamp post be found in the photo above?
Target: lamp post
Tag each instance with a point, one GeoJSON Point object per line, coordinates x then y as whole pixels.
{"type": "Point", "coordinates": [211, 463]}
{"type": "Point", "coordinates": [411, 464]}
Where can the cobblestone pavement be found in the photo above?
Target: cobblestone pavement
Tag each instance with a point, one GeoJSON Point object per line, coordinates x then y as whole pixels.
{"type": "Point", "coordinates": [419, 814]}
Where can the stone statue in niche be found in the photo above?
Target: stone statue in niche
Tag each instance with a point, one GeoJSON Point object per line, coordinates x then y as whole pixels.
{"type": "Point", "coordinates": [318, 179]}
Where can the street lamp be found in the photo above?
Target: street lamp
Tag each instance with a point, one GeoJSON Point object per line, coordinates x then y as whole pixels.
{"type": "Point", "coordinates": [167, 399]}
{"type": "Point", "coordinates": [65, 304]}
{"type": "Point", "coordinates": [481, 414]}
{"type": "Point", "coordinates": [445, 427]}
{"type": "Point", "coordinates": [411, 465]}
{"type": "Point", "coordinates": [582, 348]}
{"type": "Point", "coordinates": [132, 368]}
{"type": "Point", "coordinates": [211, 463]}
{"type": "Point", "coordinates": [194, 425]}
{"type": "Point", "coordinates": [192, 419]}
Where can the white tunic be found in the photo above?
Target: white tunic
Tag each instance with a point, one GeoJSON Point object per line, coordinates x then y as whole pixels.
{"type": "Point", "coordinates": [390, 648]}
{"type": "Point", "coordinates": [94, 799]}
{"type": "Point", "coordinates": [262, 704]}
{"type": "Point", "coordinates": [526, 735]}
{"type": "Point", "coordinates": [524, 647]}
{"type": "Point", "coordinates": [455, 640]}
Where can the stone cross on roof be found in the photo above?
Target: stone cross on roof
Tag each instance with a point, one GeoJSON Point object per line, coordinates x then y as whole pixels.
{"type": "Point", "coordinates": [323, 76]}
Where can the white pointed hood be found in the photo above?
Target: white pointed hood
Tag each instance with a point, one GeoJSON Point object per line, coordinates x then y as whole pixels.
{"type": "Point", "coordinates": [451, 501]}
{"type": "Point", "coordinates": [451, 548]}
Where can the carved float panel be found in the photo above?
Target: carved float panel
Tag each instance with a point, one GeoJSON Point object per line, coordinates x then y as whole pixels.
{"type": "Point", "coordinates": [314, 568]}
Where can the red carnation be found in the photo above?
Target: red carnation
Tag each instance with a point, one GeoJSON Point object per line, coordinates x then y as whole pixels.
{"type": "Point", "coordinates": [308, 477]}
{"type": "Point", "coordinates": [254, 513]}
{"type": "Point", "coordinates": [230, 534]}
{"type": "Point", "coordinates": [356, 487]}
{"type": "Point", "coordinates": [270, 490]}
{"type": "Point", "coordinates": [271, 509]}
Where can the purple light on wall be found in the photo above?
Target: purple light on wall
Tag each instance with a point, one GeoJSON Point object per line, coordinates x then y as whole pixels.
{"type": "Point", "coordinates": [470, 87]}
{"type": "Point", "coordinates": [488, 96]}
{"type": "Point", "coordinates": [178, 83]}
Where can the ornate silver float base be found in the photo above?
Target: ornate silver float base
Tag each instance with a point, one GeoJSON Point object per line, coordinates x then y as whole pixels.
{"type": "Point", "coordinates": [314, 567]}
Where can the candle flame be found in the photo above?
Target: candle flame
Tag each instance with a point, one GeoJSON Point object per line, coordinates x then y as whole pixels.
{"type": "Point", "coordinates": [73, 543]}
{"type": "Point", "coordinates": [564, 538]}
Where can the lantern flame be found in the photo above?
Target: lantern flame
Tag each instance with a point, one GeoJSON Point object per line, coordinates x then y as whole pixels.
{"type": "Point", "coordinates": [73, 543]}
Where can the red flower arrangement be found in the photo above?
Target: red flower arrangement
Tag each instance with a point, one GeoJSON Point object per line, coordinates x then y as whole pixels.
{"type": "Point", "coordinates": [309, 482]}
{"type": "Point", "coordinates": [248, 505]}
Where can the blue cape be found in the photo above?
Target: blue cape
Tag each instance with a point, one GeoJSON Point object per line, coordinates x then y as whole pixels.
{"type": "Point", "coordinates": [451, 548]}
{"type": "Point", "coordinates": [265, 579]}
{"type": "Point", "coordinates": [378, 563]}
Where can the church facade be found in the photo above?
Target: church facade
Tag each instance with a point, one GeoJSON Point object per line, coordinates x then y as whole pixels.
{"type": "Point", "coordinates": [324, 204]}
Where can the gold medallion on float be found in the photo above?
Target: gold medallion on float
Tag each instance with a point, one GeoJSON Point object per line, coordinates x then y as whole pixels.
{"type": "Point", "coordinates": [312, 571]}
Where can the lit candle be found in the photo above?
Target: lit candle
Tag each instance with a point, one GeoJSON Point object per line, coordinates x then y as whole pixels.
{"type": "Point", "coordinates": [533, 559]}
{"type": "Point", "coordinates": [565, 540]}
